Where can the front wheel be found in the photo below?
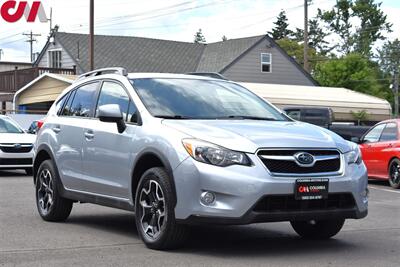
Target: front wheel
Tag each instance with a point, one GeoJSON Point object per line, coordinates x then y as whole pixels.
{"type": "Point", "coordinates": [154, 208]}
{"type": "Point", "coordinates": [394, 173]}
{"type": "Point", "coordinates": [318, 229]}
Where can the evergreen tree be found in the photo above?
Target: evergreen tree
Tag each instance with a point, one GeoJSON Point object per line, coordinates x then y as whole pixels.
{"type": "Point", "coordinates": [281, 30]}
{"type": "Point", "coordinates": [224, 38]}
{"type": "Point", "coordinates": [199, 37]}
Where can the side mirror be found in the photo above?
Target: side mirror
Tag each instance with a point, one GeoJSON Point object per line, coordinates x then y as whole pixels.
{"type": "Point", "coordinates": [112, 113]}
{"type": "Point", "coordinates": [356, 140]}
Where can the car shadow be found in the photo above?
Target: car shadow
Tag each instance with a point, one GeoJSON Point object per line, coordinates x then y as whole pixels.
{"type": "Point", "coordinates": [12, 173]}
{"type": "Point", "coordinates": [123, 224]}
{"type": "Point", "coordinates": [223, 241]}
{"type": "Point", "coordinates": [252, 240]}
{"type": "Point", "coordinates": [378, 182]}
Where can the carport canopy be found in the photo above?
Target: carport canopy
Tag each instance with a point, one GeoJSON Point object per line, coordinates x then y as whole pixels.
{"type": "Point", "coordinates": [342, 101]}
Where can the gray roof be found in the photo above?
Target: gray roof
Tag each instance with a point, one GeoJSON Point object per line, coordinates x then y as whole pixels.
{"type": "Point", "coordinates": [136, 54]}
{"type": "Point", "coordinates": [217, 56]}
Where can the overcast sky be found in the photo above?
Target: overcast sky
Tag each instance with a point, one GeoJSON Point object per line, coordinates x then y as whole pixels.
{"type": "Point", "coordinates": [172, 19]}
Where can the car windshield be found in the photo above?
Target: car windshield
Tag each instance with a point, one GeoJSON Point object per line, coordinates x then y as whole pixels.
{"type": "Point", "coordinates": [202, 99]}
{"type": "Point", "coordinates": [9, 126]}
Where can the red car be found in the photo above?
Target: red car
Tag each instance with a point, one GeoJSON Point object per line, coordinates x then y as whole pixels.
{"type": "Point", "coordinates": [380, 148]}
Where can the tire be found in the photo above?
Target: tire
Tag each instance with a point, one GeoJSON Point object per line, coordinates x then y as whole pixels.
{"type": "Point", "coordinates": [51, 206]}
{"type": "Point", "coordinates": [394, 173]}
{"type": "Point", "coordinates": [155, 216]}
{"type": "Point", "coordinates": [29, 171]}
{"type": "Point", "coordinates": [318, 229]}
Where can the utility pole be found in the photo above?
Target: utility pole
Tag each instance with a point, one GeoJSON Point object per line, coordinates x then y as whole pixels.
{"type": "Point", "coordinates": [31, 39]}
{"type": "Point", "coordinates": [396, 93]}
{"type": "Point", "coordinates": [1, 53]}
{"type": "Point", "coordinates": [306, 65]}
{"type": "Point", "coordinates": [91, 38]}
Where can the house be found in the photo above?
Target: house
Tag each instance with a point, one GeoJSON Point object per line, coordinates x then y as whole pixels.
{"type": "Point", "coordinates": [257, 59]}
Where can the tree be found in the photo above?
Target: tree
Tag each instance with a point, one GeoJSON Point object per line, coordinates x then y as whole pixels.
{"type": "Point", "coordinates": [342, 21]}
{"type": "Point", "coordinates": [354, 72]}
{"type": "Point", "coordinates": [281, 30]}
{"type": "Point", "coordinates": [316, 36]}
{"type": "Point", "coordinates": [224, 38]}
{"type": "Point", "coordinates": [389, 57]}
{"type": "Point", "coordinates": [199, 37]}
{"type": "Point", "coordinates": [296, 51]}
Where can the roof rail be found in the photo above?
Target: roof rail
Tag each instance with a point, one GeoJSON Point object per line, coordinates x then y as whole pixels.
{"type": "Point", "coordinates": [214, 75]}
{"type": "Point", "coordinates": [116, 70]}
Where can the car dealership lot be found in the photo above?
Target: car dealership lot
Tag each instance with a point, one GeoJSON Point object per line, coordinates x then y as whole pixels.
{"type": "Point", "coordinates": [99, 236]}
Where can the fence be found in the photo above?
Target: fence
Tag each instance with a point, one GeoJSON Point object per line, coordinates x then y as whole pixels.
{"type": "Point", "coordinates": [12, 81]}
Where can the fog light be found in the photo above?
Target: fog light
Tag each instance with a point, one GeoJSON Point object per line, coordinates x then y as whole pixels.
{"type": "Point", "coordinates": [207, 198]}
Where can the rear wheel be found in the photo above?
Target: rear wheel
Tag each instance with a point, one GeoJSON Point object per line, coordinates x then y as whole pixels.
{"type": "Point", "coordinates": [394, 173]}
{"type": "Point", "coordinates": [318, 229]}
{"type": "Point", "coordinates": [50, 204]}
{"type": "Point", "coordinates": [155, 216]}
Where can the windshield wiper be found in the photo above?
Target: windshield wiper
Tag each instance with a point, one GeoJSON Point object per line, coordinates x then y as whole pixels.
{"type": "Point", "coordinates": [247, 118]}
{"type": "Point", "coordinates": [174, 117]}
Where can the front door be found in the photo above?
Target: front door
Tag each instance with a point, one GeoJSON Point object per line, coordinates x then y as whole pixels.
{"type": "Point", "coordinates": [369, 146]}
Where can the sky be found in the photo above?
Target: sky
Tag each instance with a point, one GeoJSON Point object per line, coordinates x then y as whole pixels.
{"type": "Point", "coordinates": [166, 19]}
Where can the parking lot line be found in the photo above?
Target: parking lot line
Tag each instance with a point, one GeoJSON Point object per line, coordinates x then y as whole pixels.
{"type": "Point", "coordinates": [383, 189]}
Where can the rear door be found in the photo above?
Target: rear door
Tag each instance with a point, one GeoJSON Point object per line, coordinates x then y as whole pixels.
{"type": "Point", "coordinates": [369, 146]}
{"type": "Point", "coordinates": [107, 156]}
{"type": "Point", "coordinates": [385, 148]}
{"type": "Point", "coordinates": [68, 129]}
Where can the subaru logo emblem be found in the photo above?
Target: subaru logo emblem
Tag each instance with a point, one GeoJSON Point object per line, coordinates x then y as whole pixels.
{"type": "Point", "coordinates": [17, 146]}
{"type": "Point", "coordinates": [304, 159]}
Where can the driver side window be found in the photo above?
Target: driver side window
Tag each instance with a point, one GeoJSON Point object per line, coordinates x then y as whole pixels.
{"type": "Point", "coordinates": [374, 134]}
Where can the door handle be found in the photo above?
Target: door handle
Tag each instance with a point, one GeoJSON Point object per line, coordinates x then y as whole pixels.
{"type": "Point", "coordinates": [56, 129]}
{"type": "Point", "coordinates": [89, 135]}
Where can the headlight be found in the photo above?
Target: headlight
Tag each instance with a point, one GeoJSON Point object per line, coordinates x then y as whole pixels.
{"type": "Point", "coordinates": [215, 155]}
{"type": "Point", "coordinates": [354, 156]}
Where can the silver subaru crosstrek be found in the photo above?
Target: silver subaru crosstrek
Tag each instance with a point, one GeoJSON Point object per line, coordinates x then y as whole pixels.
{"type": "Point", "coordinates": [182, 149]}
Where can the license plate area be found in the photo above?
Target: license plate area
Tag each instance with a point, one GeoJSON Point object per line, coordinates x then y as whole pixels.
{"type": "Point", "coordinates": [311, 189]}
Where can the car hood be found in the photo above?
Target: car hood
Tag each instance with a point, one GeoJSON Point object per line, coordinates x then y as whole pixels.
{"type": "Point", "coordinates": [248, 135]}
{"type": "Point", "coordinates": [22, 138]}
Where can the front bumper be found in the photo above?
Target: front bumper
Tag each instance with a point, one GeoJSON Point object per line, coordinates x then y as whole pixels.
{"type": "Point", "coordinates": [9, 161]}
{"type": "Point", "coordinates": [238, 189]}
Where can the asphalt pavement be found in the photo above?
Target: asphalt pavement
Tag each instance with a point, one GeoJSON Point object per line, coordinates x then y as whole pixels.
{"type": "Point", "coordinates": [100, 236]}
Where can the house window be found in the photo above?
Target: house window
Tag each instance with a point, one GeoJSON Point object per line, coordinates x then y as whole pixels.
{"type": "Point", "coordinates": [55, 59]}
{"type": "Point", "coordinates": [266, 60]}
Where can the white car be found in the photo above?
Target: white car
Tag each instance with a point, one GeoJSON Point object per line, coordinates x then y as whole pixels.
{"type": "Point", "coordinates": [16, 146]}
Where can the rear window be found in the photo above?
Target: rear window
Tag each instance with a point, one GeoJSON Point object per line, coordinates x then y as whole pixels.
{"type": "Point", "coordinates": [389, 133]}
{"type": "Point", "coordinates": [81, 103]}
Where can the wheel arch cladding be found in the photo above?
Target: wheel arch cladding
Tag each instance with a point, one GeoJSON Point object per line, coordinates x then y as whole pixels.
{"type": "Point", "coordinates": [147, 160]}
{"type": "Point", "coordinates": [42, 155]}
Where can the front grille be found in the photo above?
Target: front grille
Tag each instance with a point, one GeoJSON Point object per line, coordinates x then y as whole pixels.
{"type": "Point", "coordinates": [290, 166]}
{"type": "Point", "coordinates": [12, 148]}
{"type": "Point", "coordinates": [16, 161]}
{"type": "Point", "coordinates": [287, 203]}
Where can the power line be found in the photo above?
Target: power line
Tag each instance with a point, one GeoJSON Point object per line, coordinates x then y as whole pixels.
{"type": "Point", "coordinates": [164, 14]}
{"type": "Point", "coordinates": [10, 42]}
